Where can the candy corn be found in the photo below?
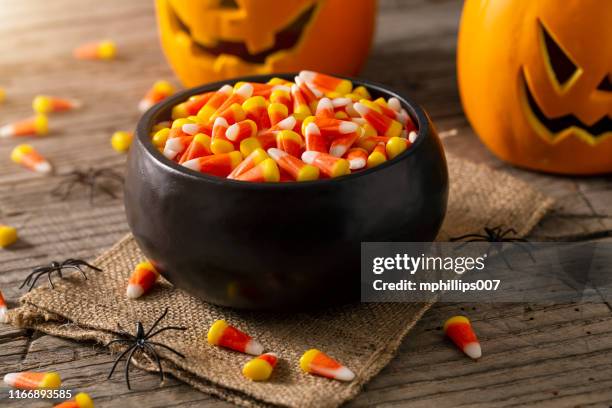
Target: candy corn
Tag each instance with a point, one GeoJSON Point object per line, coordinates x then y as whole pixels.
{"type": "Point", "coordinates": [459, 330]}
{"type": "Point", "coordinates": [29, 380]}
{"type": "Point", "coordinates": [3, 309]}
{"type": "Point", "coordinates": [121, 141]}
{"type": "Point", "coordinates": [104, 50]}
{"type": "Point", "coordinates": [266, 171]}
{"type": "Point", "coordinates": [2, 95]}
{"type": "Point", "coordinates": [299, 170]}
{"type": "Point", "coordinates": [317, 126]}
{"type": "Point", "coordinates": [35, 126]}
{"type": "Point", "coordinates": [224, 335]}
{"type": "Point", "coordinates": [329, 165]}
{"type": "Point", "coordinates": [29, 158]}
{"type": "Point", "coordinates": [220, 165]}
{"type": "Point", "coordinates": [8, 235]}
{"type": "Point", "coordinates": [260, 368]}
{"type": "Point", "coordinates": [48, 104]}
{"type": "Point", "coordinates": [158, 92]}
{"type": "Point", "coordinates": [142, 280]}
{"type": "Point", "coordinates": [316, 362]}
{"type": "Point", "coordinates": [81, 400]}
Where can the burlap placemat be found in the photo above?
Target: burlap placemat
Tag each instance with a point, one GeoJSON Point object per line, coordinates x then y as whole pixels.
{"type": "Point", "coordinates": [363, 336]}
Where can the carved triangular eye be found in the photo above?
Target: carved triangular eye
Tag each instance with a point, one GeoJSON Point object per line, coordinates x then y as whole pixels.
{"type": "Point", "coordinates": [561, 64]}
{"type": "Point", "coordinates": [605, 84]}
{"type": "Point", "coordinates": [228, 4]}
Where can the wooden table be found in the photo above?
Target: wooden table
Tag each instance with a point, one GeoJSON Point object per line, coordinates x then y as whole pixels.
{"type": "Point", "coordinates": [554, 356]}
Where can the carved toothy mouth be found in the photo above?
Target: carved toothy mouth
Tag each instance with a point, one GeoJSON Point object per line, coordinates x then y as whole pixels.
{"type": "Point", "coordinates": [556, 126]}
{"type": "Point", "coordinates": [286, 39]}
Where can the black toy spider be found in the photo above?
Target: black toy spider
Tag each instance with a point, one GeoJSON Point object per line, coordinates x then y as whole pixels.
{"type": "Point", "coordinates": [95, 179]}
{"type": "Point", "coordinates": [497, 236]}
{"type": "Point", "coordinates": [58, 267]}
{"type": "Point", "coordinates": [141, 341]}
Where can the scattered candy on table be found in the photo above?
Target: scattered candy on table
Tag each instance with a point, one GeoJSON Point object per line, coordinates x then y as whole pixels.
{"type": "Point", "coordinates": [158, 92]}
{"type": "Point", "coordinates": [29, 158]}
{"type": "Point", "coordinates": [35, 126]}
{"type": "Point", "coordinates": [460, 331]}
{"type": "Point", "coordinates": [142, 280]}
{"type": "Point", "coordinates": [122, 140]}
{"type": "Point", "coordinates": [316, 362]}
{"type": "Point", "coordinates": [48, 104]}
{"type": "Point", "coordinates": [3, 309]}
{"type": "Point", "coordinates": [30, 380]}
{"type": "Point", "coordinates": [8, 235]}
{"type": "Point", "coordinates": [224, 335]}
{"type": "Point", "coordinates": [81, 400]}
{"type": "Point", "coordinates": [315, 127]}
{"type": "Point", "coordinates": [260, 368]}
{"type": "Point", "coordinates": [102, 50]}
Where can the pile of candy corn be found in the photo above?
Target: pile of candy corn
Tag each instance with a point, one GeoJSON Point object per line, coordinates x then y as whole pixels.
{"type": "Point", "coordinates": [318, 126]}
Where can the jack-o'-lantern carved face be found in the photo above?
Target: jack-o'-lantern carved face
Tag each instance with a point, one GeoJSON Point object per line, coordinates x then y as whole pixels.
{"type": "Point", "coordinates": [536, 81]}
{"type": "Point", "coordinates": [208, 40]}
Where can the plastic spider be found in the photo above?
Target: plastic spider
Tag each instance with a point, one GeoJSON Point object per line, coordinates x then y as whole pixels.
{"type": "Point", "coordinates": [497, 236]}
{"type": "Point", "coordinates": [93, 178]}
{"type": "Point", "coordinates": [142, 342]}
{"type": "Point", "coordinates": [58, 267]}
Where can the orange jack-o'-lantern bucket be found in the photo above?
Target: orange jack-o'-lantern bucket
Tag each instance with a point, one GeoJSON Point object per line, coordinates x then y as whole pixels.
{"type": "Point", "coordinates": [210, 40]}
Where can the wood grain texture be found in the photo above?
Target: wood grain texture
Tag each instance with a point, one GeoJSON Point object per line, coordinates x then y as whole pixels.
{"type": "Point", "coordinates": [535, 355]}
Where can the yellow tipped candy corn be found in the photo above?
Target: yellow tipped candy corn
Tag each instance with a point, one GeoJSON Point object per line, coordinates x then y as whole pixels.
{"type": "Point", "coordinates": [81, 400]}
{"type": "Point", "coordinates": [29, 158]}
{"type": "Point", "coordinates": [223, 335]}
{"type": "Point", "coordinates": [48, 104]}
{"type": "Point", "coordinates": [142, 280]}
{"type": "Point", "coordinates": [3, 309]}
{"type": "Point", "coordinates": [316, 362]}
{"type": "Point", "coordinates": [29, 380]}
{"type": "Point", "coordinates": [160, 137]}
{"type": "Point", "coordinates": [35, 126]}
{"type": "Point", "coordinates": [122, 140]}
{"type": "Point", "coordinates": [396, 146]}
{"type": "Point", "coordinates": [459, 330]}
{"type": "Point", "coordinates": [103, 50]}
{"type": "Point", "coordinates": [8, 235]}
{"type": "Point", "coordinates": [260, 368]}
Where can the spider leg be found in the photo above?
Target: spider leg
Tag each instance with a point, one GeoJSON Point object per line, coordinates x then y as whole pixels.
{"type": "Point", "coordinates": [468, 236]}
{"type": "Point", "coordinates": [119, 359]}
{"type": "Point", "coordinates": [106, 190]}
{"type": "Point", "coordinates": [33, 283]}
{"type": "Point", "coordinates": [164, 329]}
{"type": "Point", "coordinates": [128, 361]}
{"type": "Point", "coordinates": [50, 280]}
{"type": "Point", "coordinates": [167, 348]}
{"type": "Point", "coordinates": [156, 322]}
{"type": "Point", "coordinates": [78, 262]}
{"type": "Point", "coordinates": [524, 245]}
{"type": "Point", "coordinates": [159, 366]}
{"type": "Point", "coordinates": [27, 280]}
{"type": "Point", "coordinates": [75, 267]}
{"type": "Point", "coordinates": [508, 231]}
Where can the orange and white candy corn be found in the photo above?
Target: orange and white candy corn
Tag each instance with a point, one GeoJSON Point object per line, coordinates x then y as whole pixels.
{"type": "Point", "coordinates": [241, 130]}
{"type": "Point", "coordinates": [103, 50]}
{"type": "Point", "coordinates": [223, 335]}
{"type": "Point", "coordinates": [81, 400]}
{"type": "Point", "coordinates": [311, 95]}
{"type": "Point", "coordinates": [256, 109]}
{"type": "Point", "coordinates": [219, 141]}
{"type": "Point", "coordinates": [214, 103]}
{"type": "Point", "coordinates": [277, 112]}
{"type": "Point", "coordinates": [326, 83]}
{"type": "Point", "coordinates": [266, 171]}
{"type": "Point", "coordinates": [283, 97]}
{"type": "Point", "coordinates": [357, 158]}
{"type": "Point", "coordinates": [314, 140]}
{"type": "Point", "coordinates": [396, 146]}
{"type": "Point", "coordinates": [176, 145]}
{"type": "Point", "coordinates": [261, 367]}
{"type": "Point", "coordinates": [34, 126]}
{"type": "Point", "coordinates": [158, 92]}
{"type": "Point", "coordinates": [329, 165]}
{"type": "Point", "coordinates": [332, 127]}
{"type": "Point", "coordinates": [316, 362]}
{"type": "Point", "coordinates": [29, 158]}
{"type": "Point", "coordinates": [290, 142]}
{"type": "Point", "coordinates": [459, 330]}
{"type": "Point", "coordinates": [3, 309]}
{"type": "Point", "coordinates": [48, 104]}
{"type": "Point", "coordinates": [199, 147]}
{"type": "Point", "coordinates": [253, 159]}
{"type": "Point", "coordinates": [301, 109]}
{"type": "Point", "coordinates": [299, 170]}
{"type": "Point", "coordinates": [142, 280]}
{"type": "Point", "coordinates": [325, 109]}
{"type": "Point", "coordinates": [218, 164]}
{"type": "Point", "coordinates": [340, 145]}
{"type": "Point", "coordinates": [378, 155]}
{"type": "Point", "coordinates": [30, 380]}
{"type": "Point", "coordinates": [383, 124]}
{"type": "Point", "coordinates": [238, 96]}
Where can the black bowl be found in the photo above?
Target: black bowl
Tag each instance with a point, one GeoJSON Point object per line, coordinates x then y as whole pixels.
{"type": "Point", "coordinates": [278, 245]}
